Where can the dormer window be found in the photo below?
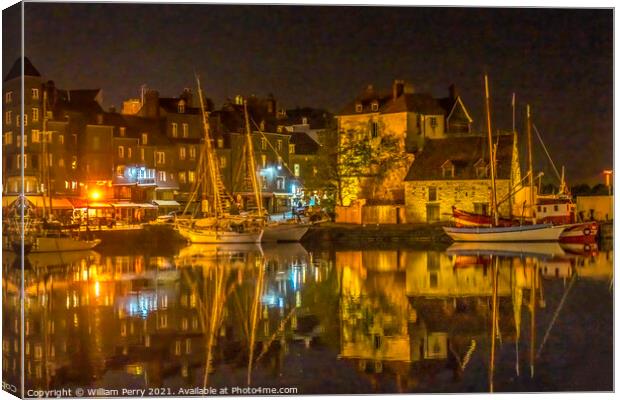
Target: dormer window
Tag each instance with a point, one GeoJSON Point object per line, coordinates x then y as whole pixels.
{"type": "Point", "coordinates": [358, 107]}
{"type": "Point", "coordinates": [374, 106]}
{"type": "Point", "coordinates": [304, 120]}
{"type": "Point", "coordinates": [447, 169]}
{"type": "Point", "coordinates": [482, 168]}
{"type": "Point", "coordinates": [181, 106]}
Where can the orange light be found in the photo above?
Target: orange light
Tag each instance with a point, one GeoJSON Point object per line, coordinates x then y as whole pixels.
{"type": "Point", "coordinates": [95, 195]}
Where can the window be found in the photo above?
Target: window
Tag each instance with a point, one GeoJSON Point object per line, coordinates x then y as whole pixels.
{"type": "Point", "coordinates": [432, 193]}
{"type": "Point", "coordinates": [8, 137]}
{"type": "Point", "coordinates": [555, 207]}
{"type": "Point", "coordinates": [122, 131]}
{"type": "Point", "coordinates": [280, 182]}
{"type": "Point", "coordinates": [73, 162]}
{"type": "Point", "coordinates": [96, 143]}
{"type": "Point", "coordinates": [374, 129]}
{"type": "Point", "coordinates": [8, 117]}
{"type": "Point", "coordinates": [50, 160]}
{"type": "Point", "coordinates": [358, 107]}
{"type": "Point", "coordinates": [36, 138]}
{"type": "Point", "coordinates": [61, 162]}
{"type": "Point", "coordinates": [181, 107]}
{"type": "Point", "coordinates": [296, 169]}
{"type": "Point", "coordinates": [191, 175]}
{"type": "Point", "coordinates": [160, 157]}
{"type": "Point", "coordinates": [185, 130]}
{"type": "Point", "coordinates": [61, 139]}
{"type": "Point", "coordinates": [263, 158]}
{"type": "Point", "coordinates": [19, 140]}
{"type": "Point", "coordinates": [121, 152]}
{"type": "Point", "coordinates": [433, 122]}
{"type": "Point", "coordinates": [182, 177]}
{"type": "Point", "coordinates": [25, 119]}
{"type": "Point", "coordinates": [222, 162]}
{"type": "Point", "coordinates": [447, 169]}
{"type": "Point", "coordinates": [175, 129]}
{"type": "Point", "coordinates": [481, 169]}
{"type": "Point", "coordinates": [374, 106]}
{"type": "Point", "coordinates": [35, 94]}
{"type": "Point", "coordinates": [35, 114]}
{"type": "Point", "coordinates": [8, 97]}
{"type": "Point", "coordinates": [192, 153]}
{"type": "Point", "coordinates": [145, 138]}
{"type": "Point", "coordinates": [220, 143]}
{"type": "Point", "coordinates": [263, 144]}
{"type": "Point", "coordinates": [161, 176]}
{"type": "Point", "coordinates": [141, 153]}
{"type": "Point", "coordinates": [279, 145]}
{"type": "Point", "coordinates": [128, 152]}
{"type": "Point", "coordinates": [291, 149]}
{"type": "Point", "coordinates": [182, 152]}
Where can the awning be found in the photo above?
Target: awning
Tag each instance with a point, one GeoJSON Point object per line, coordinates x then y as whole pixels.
{"type": "Point", "coordinates": [166, 203]}
{"type": "Point", "coordinates": [133, 205]}
{"type": "Point", "coordinates": [58, 203]}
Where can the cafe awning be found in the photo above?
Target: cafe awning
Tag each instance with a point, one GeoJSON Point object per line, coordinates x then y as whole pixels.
{"type": "Point", "coordinates": [58, 203]}
{"type": "Point", "coordinates": [166, 203]}
{"type": "Point", "coordinates": [133, 205]}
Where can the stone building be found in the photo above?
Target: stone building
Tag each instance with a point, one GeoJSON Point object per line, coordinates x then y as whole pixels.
{"type": "Point", "coordinates": [405, 115]}
{"type": "Point", "coordinates": [455, 172]}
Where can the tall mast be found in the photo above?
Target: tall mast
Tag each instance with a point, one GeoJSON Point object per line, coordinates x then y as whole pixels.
{"type": "Point", "coordinates": [529, 163]}
{"type": "Point", "coordinates": [491, 153]}
{"type": "Point", "coordinates": [250, 148]}
{"type": "Point", "coordinates": [209, 161]}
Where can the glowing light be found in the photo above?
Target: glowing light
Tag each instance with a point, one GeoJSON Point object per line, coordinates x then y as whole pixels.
{"type": "Point", "coordinates": [97, 289]}
{"type": "Point", "coordinates": [95, 195]}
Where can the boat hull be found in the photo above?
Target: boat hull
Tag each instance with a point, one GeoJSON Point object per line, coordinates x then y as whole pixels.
{"type": "Point", "coordinates": [52, 244]}
{"type": "Point", "coordinates": [525, 233]}
{"type": "Point", "coordinates": [580, 233]}
{"type": "Point", "coordinates": [284, 232]}
{"type": "Point", "coordinates": [215, 236]}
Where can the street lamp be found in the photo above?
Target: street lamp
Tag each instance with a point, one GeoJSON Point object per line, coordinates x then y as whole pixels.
{"type": "Point", "coordinates": [608, 173]}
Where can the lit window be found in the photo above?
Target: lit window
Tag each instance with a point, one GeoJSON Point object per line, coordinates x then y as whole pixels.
{"type": "Point", "coordinates": [182, 177]}
{"type": "Point", "coordinates": [61, 139]}
{"type": "Point", "coordinates": [222, 162]}
{"type": "Point", "coordinates": [141, 154]}
{"type": "Point", "coordinates": [8, 97]}
{"type": "Point", "coordinates": [191, 176]}
{"type": "Point", "coordinates": [263, 144]}
{"type": "Point", "coordinates": [128, 152]}
{"type": "Point", "coordinates": [145, 138]}
{"type": "Point", "coordinates": [291, 148]}
{"type": "Point", "coordinates": [375, 106]}
{"type": "Point", "coordinates": [181, 107]}
{"type": "Point", "coordinates": [296, 170]}
{"type": "Point", "coordinates": [50, 160]}
{"type": "Point", "coordinates": [279, 145]}
{"type": "Point", "coordinates": [185, 130]}
{"type": "Point", "coordinates": [220, 143]}
{"type": "Point", "coordinates": [8, 117]}
{"type": "Point", "coordinates": [35, 114]}
{"type": "Point", "coordinates": [175, 129]}
{"type": "Point", "coordinates": [35, 94]}
{"type": "Point", "coordinates": [263, 158]}
{"type": "Point", "coordinates": [161, 157]}
{"type": "Point", "coordinates": [61, 163]}
{"type": "Point", "coordinates": [8, 137]}
{"type": "Point", "coordinates": [182, 152]}
{"type": "Point", "coordinates": [192, 152]}
{"type": "Point", "coordinates": [161, 176]}
{"type": "Point", "coordinates": [121, 152]}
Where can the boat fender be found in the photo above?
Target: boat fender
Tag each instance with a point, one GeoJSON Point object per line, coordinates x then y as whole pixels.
{"type": "Point", "coordinates": [587, 231]}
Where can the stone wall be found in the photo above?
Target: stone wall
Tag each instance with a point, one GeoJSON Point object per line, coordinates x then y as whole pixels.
{"type": "Point", "coordinates": [460, 193]}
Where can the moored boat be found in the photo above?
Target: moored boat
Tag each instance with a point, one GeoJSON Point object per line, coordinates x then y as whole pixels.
{"type": "Point", "coordinates": [284, 231]}
{"type": "Point", "coordinates": [524, 233]}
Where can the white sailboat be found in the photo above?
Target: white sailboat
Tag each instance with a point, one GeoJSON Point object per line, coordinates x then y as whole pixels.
{"type": "Point", "coordinates": [215, 226]}
{"type": "Point", "coordinates": [525, 233]}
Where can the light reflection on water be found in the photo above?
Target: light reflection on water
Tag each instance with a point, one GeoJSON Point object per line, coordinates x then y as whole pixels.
{"type": "Point", "coordinates": [324, 321]}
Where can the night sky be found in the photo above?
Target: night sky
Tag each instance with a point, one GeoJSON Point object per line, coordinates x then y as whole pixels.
{"type": "Point", "coordinates": [558, 60]}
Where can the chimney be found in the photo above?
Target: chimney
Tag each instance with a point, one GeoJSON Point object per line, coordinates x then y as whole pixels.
{"type": "Point", "coordinates": [150, 108]}
{"type": "Point", "coordinates": [398, 88]}
{"type": "Point", "coordinates": [454, 93]}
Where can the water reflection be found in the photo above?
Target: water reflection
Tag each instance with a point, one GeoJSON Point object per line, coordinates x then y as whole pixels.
{"type": "Point", "coordinates": [470, 318]}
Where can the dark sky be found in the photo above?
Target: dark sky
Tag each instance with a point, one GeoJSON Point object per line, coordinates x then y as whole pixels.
{"type": "Point", "coordinates": [558, 60]}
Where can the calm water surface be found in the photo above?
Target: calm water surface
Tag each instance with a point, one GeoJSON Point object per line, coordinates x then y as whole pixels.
{"type": "Point", "coordinates": [464, 319]}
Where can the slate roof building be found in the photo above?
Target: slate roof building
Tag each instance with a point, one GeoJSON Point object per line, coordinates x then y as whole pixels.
{"type": "Point", "coordinates": [410, 117]}
{"type": "Point", "coordinates": [455, 172]}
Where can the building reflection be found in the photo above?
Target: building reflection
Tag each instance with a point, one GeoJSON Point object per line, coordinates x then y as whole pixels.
{"type": "Point", "coordinates": [404, 320]}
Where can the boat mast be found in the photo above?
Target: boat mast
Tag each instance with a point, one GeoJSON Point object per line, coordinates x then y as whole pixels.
{"type": "Point", "coordinates": [491, 154]}
{"type": "Point", "coordinates": [529, 162]}
{"type": "Point", "coordinates": [250, 149]}
{"type": "Point", "coordinates": [209, 162]}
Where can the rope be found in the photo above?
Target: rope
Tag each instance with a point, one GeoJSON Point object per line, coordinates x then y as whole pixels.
{"type": "Point", "coordinates": [546, 152]}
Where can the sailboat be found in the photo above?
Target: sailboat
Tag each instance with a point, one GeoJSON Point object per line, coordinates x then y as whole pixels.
{"type": "Point", "coordinates": [215, 225]}
{"type": "Point", "coordinates": [495, 233]}
{"type": "Point", "coordinates": [274, 231]}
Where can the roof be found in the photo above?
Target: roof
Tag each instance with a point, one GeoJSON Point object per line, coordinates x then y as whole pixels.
{"type": "Point", "coordinates": [463, 152]}
{"type": "Point", "coordinates": [84, 101]}
{"type": "Point", "coordinates": [16, 69]}
{"type": "Point", "coordinates": [366, 98]}
{"type": "Point", "coordinates": [304, 143]}
{"type": "Point", "coordinates": [316, 118]}
{"type": "Point", "coordinates": [422, 103]}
